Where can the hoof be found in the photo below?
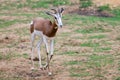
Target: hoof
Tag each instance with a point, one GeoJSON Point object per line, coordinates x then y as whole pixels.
{"type": "Point", "coordinates": [45, 67]}
{"type": "Point", "coordinates": [49, 73]}
{"type": "Point", "coordinates": [32, 68]}
{"type": "Point", "coordinates": [41, 68]}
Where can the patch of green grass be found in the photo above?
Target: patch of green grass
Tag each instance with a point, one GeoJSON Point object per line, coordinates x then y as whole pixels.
{"type": "Point", "coordinates": [32, 4]}
{"type": "Point", "coordinates": [28, 4]}
{"type": "Point", "coordinates": [5, 23]}
{"type": "Point", "coordinates": [117, 78]}
{"type": "Point", "coordinates": [97, 57]}
{"type": "Point", "coordinates": [41, 3]}
{"type": "Point", "coordinates": [25, 55]}
{"type": "Point", "coordinates": [11, 78]}
{"type": "Point", "coordinates": [77, 72]}
{"type": "Point", "coordinates": [104, 8]}
{"type": "Point", "coordinates": [65, 34]}
{"type": "Point", "coordinates": [102, 49]}
{"type": "Point", "coordinates": [60, 2]}
{"type": "Point", "coordinates": [96, 24]}
{"type": "Point", "coordinates": [97, 37]}
{"type": "Point", "coordinates": [5, 8]}
{"type": "Point", "coordinates": [91, 30]}
{"type": "Point", "coordinates": [20, 5]}
{"type": "Point", "coordinates": [89, 44]}
{"type": "Point", "coordinates": [85, 3]}
{"type": "Point", "coordinates": [73, 63]}
{"type": "Point", "coordinates": [47, 3]}
{"type": "Point", "coordinates": [12, 44]}
{"type": "Point", "coordinates": [22, 31]}
{"type": "Point", "coordinates": [23, 14]}
{"type": "Point", "coordinates": [116, 11]}
{"type": "Point", "coordinates": [83, 74]}
{"type": "Point", "coordinates": [99, 60]}
{"type": "Point", "coordinates": [118, 38]}
{"type": "Point", "coordinates": [71, 53]}
{"type": "Point", "coordinates": [8, 56]}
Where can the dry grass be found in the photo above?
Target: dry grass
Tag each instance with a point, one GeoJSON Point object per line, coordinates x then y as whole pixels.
{"type": "Point", "coordinates": [113, 3]}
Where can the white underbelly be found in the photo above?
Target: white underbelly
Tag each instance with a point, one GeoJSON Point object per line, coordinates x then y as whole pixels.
{"type": "Point", "coordinates": [38, 33]}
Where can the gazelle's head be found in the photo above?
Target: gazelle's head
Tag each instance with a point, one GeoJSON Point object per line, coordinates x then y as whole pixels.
{"type": "Point", "coordinates": [57, 16]}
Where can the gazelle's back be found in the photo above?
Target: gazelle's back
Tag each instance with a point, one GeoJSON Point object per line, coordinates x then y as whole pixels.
{"type": "Point", "coordinates": [41, 24]}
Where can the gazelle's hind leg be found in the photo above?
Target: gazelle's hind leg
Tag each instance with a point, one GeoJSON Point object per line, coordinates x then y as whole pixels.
{"type": "Point", "coordinates": [32, 45]}
{"type": "Point", "coordinates": [38, 48]}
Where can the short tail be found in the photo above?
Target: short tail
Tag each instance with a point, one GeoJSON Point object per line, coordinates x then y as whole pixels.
{"type": "Point", "coordinates": [31, 27]}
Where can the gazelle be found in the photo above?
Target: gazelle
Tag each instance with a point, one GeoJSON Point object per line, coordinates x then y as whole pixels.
{"type": "Point", "coordinates": [45, 29]}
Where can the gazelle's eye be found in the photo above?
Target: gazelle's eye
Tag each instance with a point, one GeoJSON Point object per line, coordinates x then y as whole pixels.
{"type": "Point", "coordinates": [55, 18]}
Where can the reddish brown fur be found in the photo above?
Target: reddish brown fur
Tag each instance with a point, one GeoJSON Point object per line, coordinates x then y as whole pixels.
{"type": "Point", "coordinates": [46, 26]}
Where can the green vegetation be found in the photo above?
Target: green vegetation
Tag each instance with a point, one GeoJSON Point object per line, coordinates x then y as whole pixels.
{"type": "Point", "coordinates": [104, 8]}
{"type": "Point", "coordinates": [117, 78]}
{"type": "Point", "coordinates": [94, 24]}
{"type": "Point", "coordinates": [16, 78]}
{"type": "Point", "coordinates": [41, 3]}
{"type": "Point", "coordinates": [32, 4]}
{"type": "Point", "coordinates": [118, 38]}
{"type": "Point", "coordinates": [25, 55]}
{"type": "Point", "coordinates": [89, 44]}
{"type": "Point", "coordinates": [73, 63]}
{"type": "Point", "coordinates": [97, 37]}
{"type": "Point", "coordinates": [102, 49]}
{"type": "Point", "coordinates": [8, 56]}
{"type": "Point", "coordinates": [5, 23]}
{"type": "Point", "coordinates": [91, 30]}
{"type": "Point", "coordinates": [99, 61]}
{"type": "Point", "coordinates": [70, 53]}
{"type": "Point", "coordinates": [60, 2]}
{"type": "Point", "coordinates": [94, 61]}
{"type": "Point", "coordinates": [116, 11]}
{"type": "Point", "coordinates": [85, 3]}
{"type": "Point", "coordinates": [83, 74]}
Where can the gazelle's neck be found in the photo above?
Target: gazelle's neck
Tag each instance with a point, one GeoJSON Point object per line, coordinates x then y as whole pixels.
{"type": "Point", "coordinates": [53, 30]}
{"type": "Point", "coordinates": [54, 25]}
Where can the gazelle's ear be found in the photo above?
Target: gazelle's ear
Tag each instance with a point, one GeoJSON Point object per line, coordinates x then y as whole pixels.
{"type": "Point", "coordinates": [61, 10]}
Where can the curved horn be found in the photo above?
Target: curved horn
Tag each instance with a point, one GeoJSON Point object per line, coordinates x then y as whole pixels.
{"type": "Point", "coordinates": [54, 10]}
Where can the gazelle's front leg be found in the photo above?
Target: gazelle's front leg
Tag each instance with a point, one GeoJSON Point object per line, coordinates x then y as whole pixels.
{"type": "Point", "coordinates": [49, 56]}
{"type": "Point", "coordinates": [51, 49]}
{"type": "Point", "coordinates": [47, 49]}
{"type": "Point", "coordinates": [51, 53]}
